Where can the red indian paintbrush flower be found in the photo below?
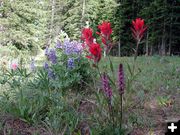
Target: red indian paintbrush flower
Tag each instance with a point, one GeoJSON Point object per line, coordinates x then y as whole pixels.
{"type": "Point", "coordinates": [121, 80]}
{"type": "Point", "coordinates": [87, 36]}
{"type": "Point", "coordinates": [105, 33]}
{"type": "Point", "coordinates": [95, 51]}
{"type": "Point", "coordinates": [138, 29]}
{"type": "Point", "coordinates": [106, 86]}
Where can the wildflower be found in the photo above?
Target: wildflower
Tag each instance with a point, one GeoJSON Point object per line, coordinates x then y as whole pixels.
{"type": "Point", "coordinates": [105, 29]}
{"type": "Point", "coordinates": [58, 45]}
{"type": "Point", "coordinates": [51, 74]}
{"type": "Point", "coordinates": [52, 56]}
{"type": "Point", "coordinates": [106, 86]}
{"type": "Point", "coordinates": [70, 63]}
{"type": "Point", "coordinates": [121, 80]}
{"type": "Point", "coordinates": [138, 29]}
{"type": "Point", "coordinates": [46, 66]}
{"type": "Point", "coordinates": [87, 36]}
{"type": "Point", "coordinates": [72, 47]}
{"type": "Point", "coordinates": [14, 66]}
{"type": "Point", "coordinates": [105, 33]}
{"type": "Point", "coordinates": [32, 65]}
{"type": "Point", "coordinates": [95, 51]}
{"type": "Point", "coordinates": [78, 48]}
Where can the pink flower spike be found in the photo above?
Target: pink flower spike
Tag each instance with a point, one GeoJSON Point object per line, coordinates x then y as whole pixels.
{"type": "Point", "coordinates": [121, 79]}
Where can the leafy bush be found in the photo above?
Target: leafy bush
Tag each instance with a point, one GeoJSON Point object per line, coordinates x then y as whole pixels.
{"type": "Point", "coordinates": [32, 97]}
{"type": "Point", "coordinates": [38, 95]}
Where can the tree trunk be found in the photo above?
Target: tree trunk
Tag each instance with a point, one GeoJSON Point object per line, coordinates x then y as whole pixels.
{"type": "Point", "coordinates": [147, 45]}
{"type": "Point", "coordinates": [119, 48]}
{"type": "Point", "coordinates": [163, 46]}
{"type": "Point", "coordinates": [170, 35]}
{"type": "Point", "coordinates": [163, 42]}
{"type": "Point", "coordinates": [151, 50]}
{"type": "Point", "coordinates": [159, 48]}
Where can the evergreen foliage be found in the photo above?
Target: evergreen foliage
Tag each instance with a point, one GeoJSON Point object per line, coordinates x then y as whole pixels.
{"type": "Point", "coordinates": [36, 23]}
{"type": "Point", "coordinates": [22, 23]}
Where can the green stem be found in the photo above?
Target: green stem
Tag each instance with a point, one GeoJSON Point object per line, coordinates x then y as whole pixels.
{"type": "Point", "coordinates": [113, 116]}
{"type": "Point", "coordinates": [111, 113]}
{"type": "Point", "coordinates": [21, 94]}
{"type": "Point", "coordinates": [98, 71]}
{"type": "Point", "coordinates": [136, 53]}
{"type": "Point", "coordinates": [135, 56]}
{"type": "Point", "coordinates": [112, 68]}
{"type": "Point", "coordinates": [121, 111]}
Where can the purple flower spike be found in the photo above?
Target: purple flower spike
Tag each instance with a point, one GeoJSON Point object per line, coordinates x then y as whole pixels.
{"type": "Point", "coordinates": [72, 47]}
{"type": "Point", "coordinates": [106, 86]}
{"type": "Point", "coordinates": [70, 63]}
{"type": "Point", "coordinates": [52, 56]}
{"type": "Point", "coordinates": [121, 80]}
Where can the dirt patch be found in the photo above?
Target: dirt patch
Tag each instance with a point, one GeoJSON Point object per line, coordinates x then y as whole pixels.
{"type": "Point", "coordinates": [16, 126]}
{"type": "Point", "coordinates": [158, 115]}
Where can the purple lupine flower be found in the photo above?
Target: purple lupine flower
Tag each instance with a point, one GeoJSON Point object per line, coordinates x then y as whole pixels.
{"type": "Point", "coordinates": [52, 56]}
{"type": "Point", "coordinates": [46, 66]}
{"type": "Point", "coordinates": [121, 80]}
{"type": "Point", "coordinates": [72, 47]}
{"type": "Point", "coordinates": [70, 63]}
{"type": "Point", "coordinates": [67, 47]}
{"type": "Point", "coordinates": [78, 47]}
{"type": "Point", "coordinates": [106, 86]}
{"type": "Point", "coordinates": [51, 74]}
{"type": "Point", "coordinates": [32, 65]}
{"type": "Point", "coordinates": [58, 45]}
{"type": "Point", "coordinates": [46, 51]}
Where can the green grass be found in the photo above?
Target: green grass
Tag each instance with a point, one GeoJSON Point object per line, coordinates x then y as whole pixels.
{"type": "Point", "coordinates": [158, 80]}
{"type": "Point", "coordinates": [156, 72]}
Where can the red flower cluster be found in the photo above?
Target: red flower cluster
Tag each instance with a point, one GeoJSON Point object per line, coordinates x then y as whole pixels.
{"type": "Point", "coordinates": [138, 28]}
{"type": "Point", "coordinates": [87, 36]}
{"type": "Point", "coordinates": [105, 33]}
{"type": "Point", "coordinates": [95, 51]}
{"type": "Point", "coordinates": [94, 48]}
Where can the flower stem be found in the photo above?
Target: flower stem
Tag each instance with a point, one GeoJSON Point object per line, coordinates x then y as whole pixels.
{"type": "Point", "coordinates": [136, 53]}
{"type": "Point", "coordinates": [121, 111]}
{"type": "Point", "coordinates": [99, 71]}
{"type": "Point", "coordinates": [112, 68]}
{"type": "Point", "coordinates": [135, 56]}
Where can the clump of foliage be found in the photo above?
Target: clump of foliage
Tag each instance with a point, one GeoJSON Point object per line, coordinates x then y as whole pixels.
{"type": "Point", "coordinates": [41, 94]}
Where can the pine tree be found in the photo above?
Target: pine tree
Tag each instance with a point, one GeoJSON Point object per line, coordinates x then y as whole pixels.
{"type": "Point", "coordinates": [23, 23]}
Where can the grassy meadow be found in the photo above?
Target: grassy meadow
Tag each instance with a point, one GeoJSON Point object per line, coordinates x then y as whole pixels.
{"type": "Point", "coordinates": [151, 99]}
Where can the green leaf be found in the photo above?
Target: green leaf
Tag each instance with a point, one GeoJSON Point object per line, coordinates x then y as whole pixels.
{"type": "Point", "coordinates": [129, 69]}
